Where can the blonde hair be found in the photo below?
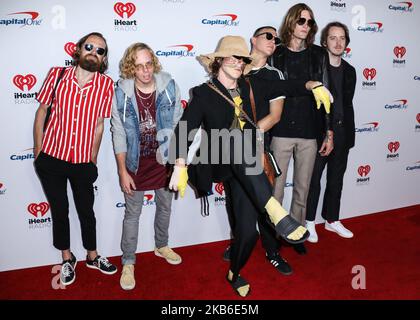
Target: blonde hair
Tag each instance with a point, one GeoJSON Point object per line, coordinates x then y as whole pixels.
{"type": "Point", "coordinates": [127, 63]}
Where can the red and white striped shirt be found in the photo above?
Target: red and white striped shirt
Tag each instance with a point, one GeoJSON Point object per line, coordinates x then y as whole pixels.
{"type": "Point", "coordinates": [74, 114]}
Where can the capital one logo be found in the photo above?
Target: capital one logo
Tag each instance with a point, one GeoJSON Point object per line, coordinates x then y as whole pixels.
{"type": "Point", "coordinates": [226, 19]}
{"type": "Point", "coordinates": [219, 188]}
{"type": "Point", "coordinates": [181, 50]}
{"type": "Point", "coordinates": [128, 9]}
{"type": "Point", "coordinates": [21, 81]}
{"type": "Point", "coordinates": [369, 74]}
{"type": "Point", "coordinates": [371, 27]}
{"type": "Point", "coordinates": [397, 104]}
{"type": "Point", "coordinates": [399, 52]}
{"type": "Point", "coordinates": [363, 170]}
{"type": "Point", "coordinates": [393, 146]}
{"type": "Point", "coordinates": [402, 6]}
{"type": "Point", "coordinates": [70, 48]}
{"type": "Point", "coordinates": [25, 21]}
{"type": "Point", "coordinates": [38, 209]}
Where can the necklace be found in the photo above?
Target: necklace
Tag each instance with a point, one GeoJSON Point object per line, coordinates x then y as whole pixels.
{"type": "Point", "coordinates": [143, 100]}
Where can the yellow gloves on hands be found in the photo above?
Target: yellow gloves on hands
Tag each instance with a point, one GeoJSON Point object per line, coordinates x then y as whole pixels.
{"type": "Point", "coordinates": [179, 179]}
{"type": "Point", "coordinates": [323, 96]}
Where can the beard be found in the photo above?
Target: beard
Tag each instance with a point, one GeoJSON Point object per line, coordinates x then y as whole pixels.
{"type": "Point", "coordinates": [91, 65]}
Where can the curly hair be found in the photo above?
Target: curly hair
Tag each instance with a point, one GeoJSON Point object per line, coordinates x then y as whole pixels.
{"type": "Point", "coordinates": [127, 63]}
{"type": "Point", "coordinates": [289, 24]}
{"type": "Point", "coordinates": [76, 55]}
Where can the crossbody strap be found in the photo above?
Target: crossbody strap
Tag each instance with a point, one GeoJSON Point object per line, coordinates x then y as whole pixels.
{"type": "Point", "coordinates": [251, 98]}
{"type": "Point", "coordinates": [242, 112]}
{"type": "Point", "coordinates": [60, 75]}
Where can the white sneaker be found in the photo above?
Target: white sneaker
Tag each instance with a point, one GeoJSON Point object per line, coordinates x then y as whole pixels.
{"type": "Point", "coordinates": [338, 227]}
{"type": "Point", "coordinates": [127, 280]}
{"type": "Point", "coordinates": [313, 237]}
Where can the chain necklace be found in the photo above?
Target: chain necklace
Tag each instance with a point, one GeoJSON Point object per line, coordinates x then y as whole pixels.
{"type": "Point", "coordinates": [141, 99]}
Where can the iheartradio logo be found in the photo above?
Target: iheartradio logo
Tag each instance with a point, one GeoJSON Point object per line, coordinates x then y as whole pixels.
{"type": "Point", "coordinates": [127, 8]}
{"type": "Point", "coordinates": [393, 146]}
{"type": "Point", "coordinates": [418, 117]}
{"type": "Point", "coordinates": [70, 48]}
{"type": "Point", "coordinates": [184, 104]}
{"type": "Point", "coordinates": [369, 74]}
{"type": "Point", "coordinates": [364, 170]}
{"type": "Point", "coordinates": [219, 188]}
{"type": "Point", "coordinates": [38, 209]}
{"type": "Point", "coordinates": [21, 81]}
{"type": "Point", "coordinates": [399, 52]}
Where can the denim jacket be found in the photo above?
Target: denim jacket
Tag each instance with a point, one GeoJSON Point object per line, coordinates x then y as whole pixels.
{"type": "Point", "coordinates": [125, 118]}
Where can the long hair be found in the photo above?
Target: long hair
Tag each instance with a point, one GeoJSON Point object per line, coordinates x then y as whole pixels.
{"type": "Point", "coordinates": [128, 61]}
{"type": "Point", "coordinates": [326, 30]}
{"type": "Point", "coordinates": [214, 66]}
{"type": "Point", "coordinates": [289, 24]}
{"type": "Point", "coordinates": [76, 56]}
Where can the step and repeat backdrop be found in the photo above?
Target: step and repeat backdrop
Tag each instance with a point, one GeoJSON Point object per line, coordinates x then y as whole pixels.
{"type": "Point", "coordinates": [384, 167]}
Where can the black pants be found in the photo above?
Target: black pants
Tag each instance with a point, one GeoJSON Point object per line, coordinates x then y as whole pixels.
{"type": "Point", "coordinates": [246, 197]}
{"type": "Point", "coordinates": [337, 164]}
{"type": "Point", "coordinates": [54, 174]}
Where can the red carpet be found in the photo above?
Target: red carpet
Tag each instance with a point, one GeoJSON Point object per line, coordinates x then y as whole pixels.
{"type": "Point", "coordinates": [386, 244]}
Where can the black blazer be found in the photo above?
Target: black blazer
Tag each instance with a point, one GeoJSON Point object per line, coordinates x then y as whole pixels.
{"type": "Point", "coordinates": [349, 85]}
{"type": "Point", "coordinates": [211, 111]}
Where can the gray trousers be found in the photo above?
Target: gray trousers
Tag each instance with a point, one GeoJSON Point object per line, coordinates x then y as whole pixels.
{"type": "Point", "coordinates": [304, 153]}
{"type": "Point", "coordinates": [130, 233]}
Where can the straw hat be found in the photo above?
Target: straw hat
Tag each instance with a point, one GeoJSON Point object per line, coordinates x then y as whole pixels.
{"type": "Point", "coordinates": [228, 46]}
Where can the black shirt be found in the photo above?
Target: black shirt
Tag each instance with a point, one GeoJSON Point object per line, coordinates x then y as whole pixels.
{"type": "Point", "coordinates": [265, 73]}
{"type": "Point", "coordinates": [299, 113]}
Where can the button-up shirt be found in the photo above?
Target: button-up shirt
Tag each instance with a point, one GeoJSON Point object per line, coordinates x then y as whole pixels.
{"type": "Point", "coordinates": [75, 111]}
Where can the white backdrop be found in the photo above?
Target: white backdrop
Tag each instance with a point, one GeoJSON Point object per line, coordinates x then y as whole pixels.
{"type": "Point", "coordinates": [384, 167]}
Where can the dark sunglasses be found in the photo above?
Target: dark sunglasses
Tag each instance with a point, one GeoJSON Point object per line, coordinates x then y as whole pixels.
{"type": "Point", "coordinates": [244, 59]}
{"type": "Point", "coordinates": [302, 21]}
{"type": "Point", "coordinates": [269, 36]}
{"type": "Point", "coordinates": [99, 51]}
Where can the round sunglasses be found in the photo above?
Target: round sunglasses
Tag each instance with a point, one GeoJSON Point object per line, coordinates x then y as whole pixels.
{"type": "Point", "coordinates": [99, 51]}
{"type": "Point", "coordinates": [301, 22]}
{"type": "Point", "coordinates": [269, 36]}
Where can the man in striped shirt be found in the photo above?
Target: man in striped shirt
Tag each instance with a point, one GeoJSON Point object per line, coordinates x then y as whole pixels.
{"type": "Point", "coordinates": [80, 98]}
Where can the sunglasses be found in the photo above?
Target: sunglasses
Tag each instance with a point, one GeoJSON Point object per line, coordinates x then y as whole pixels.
{"type": "Point", "coordinates": [99, 51]}
{"type": "Point", "coordinates": [302, 21]}
{"type": "Point", "coordinates": [243, 59]}
{"type": "Point", "coordinates": [269, 36]}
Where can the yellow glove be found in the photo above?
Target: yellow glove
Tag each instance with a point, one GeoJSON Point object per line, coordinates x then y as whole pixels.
{"type": "Point", "coordinates": [179, 180]}
{"type": "Point", "coordinates": [322, 96]}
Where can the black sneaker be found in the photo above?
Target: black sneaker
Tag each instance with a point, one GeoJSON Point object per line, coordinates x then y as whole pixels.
{"type": "Point", "coordinates": [280, 264]}
{"type": "Point", "coordinates": [300, 248]}
{"type": "Point", "coordinates": [226, 254]}
{"type": "Point", "coordinates": [68, 273]}
{"type": "Point", "coordinates": [102, 264]}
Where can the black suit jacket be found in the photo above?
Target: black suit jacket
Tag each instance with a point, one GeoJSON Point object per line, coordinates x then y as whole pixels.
{"type": "Point", "coordinates": [349, 85]}
{"type": "Point", "coordinates": [211, 111]}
